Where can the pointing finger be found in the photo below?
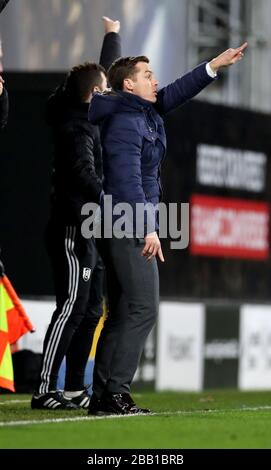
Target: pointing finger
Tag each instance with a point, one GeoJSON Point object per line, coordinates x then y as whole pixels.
{"type": "Point", "coordinates": [243, 47]}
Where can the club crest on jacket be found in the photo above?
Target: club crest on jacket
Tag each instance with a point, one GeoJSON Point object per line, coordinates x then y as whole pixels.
{"type": "Point", "coordinates": [86, 274]}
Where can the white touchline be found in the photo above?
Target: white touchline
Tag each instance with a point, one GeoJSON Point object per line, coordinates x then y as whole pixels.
{"type": "Point", "coordinates": [165, 413]}
{"type": "Point", "coordinates": [7, 402]}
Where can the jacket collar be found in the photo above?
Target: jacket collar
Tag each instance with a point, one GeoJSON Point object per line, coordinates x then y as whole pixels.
{"type": "Point", "coordinates": [135, 100]}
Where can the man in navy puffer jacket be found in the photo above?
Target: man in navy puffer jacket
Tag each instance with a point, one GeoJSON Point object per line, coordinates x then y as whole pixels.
{"type": "Point", "coordinates": [134, 143]}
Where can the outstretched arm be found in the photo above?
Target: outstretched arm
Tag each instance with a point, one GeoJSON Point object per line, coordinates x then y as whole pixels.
{"type": "Point", "coordinates": [188, 86]}
{"type": "Point", "coordinates": [111, 48]}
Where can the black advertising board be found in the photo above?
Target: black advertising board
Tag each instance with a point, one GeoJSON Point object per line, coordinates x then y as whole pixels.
{"type": "Point", "coordinates": [218, 161]}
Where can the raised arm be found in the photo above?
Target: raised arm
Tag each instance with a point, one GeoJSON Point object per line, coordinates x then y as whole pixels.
{"type": "Point", "coordinates": [111, 48]}
{"type": "Point", "coordinates": [183, 89]}
{"type": "Point", "coordinates": [188, 86]}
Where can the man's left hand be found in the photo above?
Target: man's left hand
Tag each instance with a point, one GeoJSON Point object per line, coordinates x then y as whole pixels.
{"type": "Point", "coordinates": [229, 57]}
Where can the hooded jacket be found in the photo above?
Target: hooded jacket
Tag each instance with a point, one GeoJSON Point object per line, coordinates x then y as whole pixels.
{"type": "Point", "coordinates": [77, 166]}
{"type": "Point", "coordinates": [134, 142]}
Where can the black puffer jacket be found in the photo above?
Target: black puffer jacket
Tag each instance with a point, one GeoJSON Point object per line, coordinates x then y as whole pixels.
{"type": "Point", "coordinates": [77, 172]}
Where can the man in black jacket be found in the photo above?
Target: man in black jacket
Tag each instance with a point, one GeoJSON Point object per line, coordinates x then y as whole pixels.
{"type": "Point", "coordinates": [77, 267]}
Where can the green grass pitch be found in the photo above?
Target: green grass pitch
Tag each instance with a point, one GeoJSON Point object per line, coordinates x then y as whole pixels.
{"type": "Point", "coordinates": [208, 420]}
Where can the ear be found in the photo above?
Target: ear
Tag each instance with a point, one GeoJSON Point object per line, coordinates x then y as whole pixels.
{"type": "Point", "coordinates": [95, 89]}
{"type": "Point", "coordinates": [128, 84]}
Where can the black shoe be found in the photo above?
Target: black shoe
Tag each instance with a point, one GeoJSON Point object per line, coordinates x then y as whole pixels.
{"type": "Point", "coordinates": [95, 407]}
{"type": "Point", "coordinates": [121, 404]}
{"type": "Point", "coordinates": [51, 401]}
{"type": "Point", "coordinates": [82, 401]}
{"type": "Point", "coordinates": [127, 397]}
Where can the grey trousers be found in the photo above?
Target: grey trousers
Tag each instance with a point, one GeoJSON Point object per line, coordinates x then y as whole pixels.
{"type": "Point", "coordinates": [133, 294]}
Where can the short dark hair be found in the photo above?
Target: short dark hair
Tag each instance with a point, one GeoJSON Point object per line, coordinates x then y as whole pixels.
{"type": "Point", "coordinates": [82, 79]}
{"type": "Point", "coordinates": [124, 67]}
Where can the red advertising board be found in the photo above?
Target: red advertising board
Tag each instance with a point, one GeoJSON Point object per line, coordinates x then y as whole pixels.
{"type": "Point", "coordinates": [229, 227]}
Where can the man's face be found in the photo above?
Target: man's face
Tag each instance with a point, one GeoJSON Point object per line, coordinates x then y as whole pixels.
{"type": "Point", "coordinates": [144, 83]}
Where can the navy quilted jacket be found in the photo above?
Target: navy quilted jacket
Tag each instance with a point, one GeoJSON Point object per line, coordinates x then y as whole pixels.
{"type": "Point", "coordinates": [134, 141]}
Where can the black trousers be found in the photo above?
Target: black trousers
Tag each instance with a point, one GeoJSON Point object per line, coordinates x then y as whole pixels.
{"type": "Point", "coordinates": [133, 294]}
{"type": "Point", "coordinates": [78, 273]}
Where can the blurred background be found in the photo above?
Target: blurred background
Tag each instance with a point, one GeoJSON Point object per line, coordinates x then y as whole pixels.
{"type": "Point", "coordinates": [214, 326]}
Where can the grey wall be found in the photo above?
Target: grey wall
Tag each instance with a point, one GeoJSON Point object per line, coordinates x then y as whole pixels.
{"type": "Point", "coordinates": [40, 35]}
